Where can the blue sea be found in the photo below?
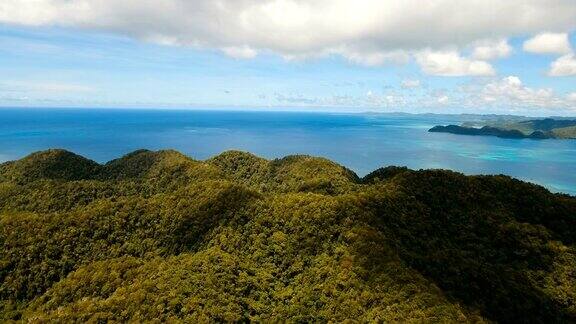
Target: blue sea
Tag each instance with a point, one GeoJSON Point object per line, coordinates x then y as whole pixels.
{"type": "Point", "coordinates": [362, 142]}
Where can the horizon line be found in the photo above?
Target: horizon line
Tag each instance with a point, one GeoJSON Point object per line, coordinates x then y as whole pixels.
{"type": "Point", "coordinates": [273, 109]}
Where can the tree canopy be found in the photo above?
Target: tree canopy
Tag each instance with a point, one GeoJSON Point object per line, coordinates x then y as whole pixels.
{"type": "Point", "coordinates": [158, 236]}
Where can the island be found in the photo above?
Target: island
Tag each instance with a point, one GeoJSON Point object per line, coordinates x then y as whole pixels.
{"type": "Point", "coordinates": [157, 236]}
{"type": "Point", "coordinates": [533, 129]}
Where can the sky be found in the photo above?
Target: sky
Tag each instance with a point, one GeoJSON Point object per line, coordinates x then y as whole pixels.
{"type": "Point", "coordinates": [439, 56]}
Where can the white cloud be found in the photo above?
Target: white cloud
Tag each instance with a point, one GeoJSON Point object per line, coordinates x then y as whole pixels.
{"type": "Point", "coordinates": [507, 94]}
{"type": "Point", "coordinates": [410, 84]}
{"type": "Point", "coordinates": [491, 49]}
{"type": "Point", "coordinates": [305, 27]}
{"type": "Point", "coordinates": [375, 58]}
{"type": "Point", "coordinates": [442, 100]}
{"type": "Point", "coordinates": [563, 66]}
{"type": "Point", "coordinates": [511, 92]}
{"type": "Point", "coordinates": [451, 63]}
{"type": "Point", "coordinates": [240, 52]}
{"type": "Point", "coordinates": [548, 43]}
{"type": "Point", "coordinates": [370, 99]}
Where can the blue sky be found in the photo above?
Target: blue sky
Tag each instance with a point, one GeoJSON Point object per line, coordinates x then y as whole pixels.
{"type": "Point", "coordinates": [46, 64]}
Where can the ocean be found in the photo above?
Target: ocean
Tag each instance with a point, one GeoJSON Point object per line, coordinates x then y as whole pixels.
{"type": "Point", "coordinates": [361, 142]}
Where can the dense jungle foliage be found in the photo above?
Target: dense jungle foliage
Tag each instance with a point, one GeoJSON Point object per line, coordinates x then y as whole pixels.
{"type": "Point", "coordinates": [160, 236]}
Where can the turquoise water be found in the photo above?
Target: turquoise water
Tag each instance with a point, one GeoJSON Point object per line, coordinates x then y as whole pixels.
{"type": "Point", "coordinates": [362, 142]}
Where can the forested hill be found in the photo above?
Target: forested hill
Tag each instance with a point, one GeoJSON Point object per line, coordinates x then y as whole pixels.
{"type": "Point", "coordinates": [158, 235]}
{"type": "Point", "coordinates": [547, 128]}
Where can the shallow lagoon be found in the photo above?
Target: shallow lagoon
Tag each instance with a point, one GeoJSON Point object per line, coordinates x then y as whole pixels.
{"type": "Point", "coordinates": [362, 142]}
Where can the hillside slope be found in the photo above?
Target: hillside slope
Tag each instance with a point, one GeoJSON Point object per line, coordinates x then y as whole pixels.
{"type": "Point", "coordinates": [157, 235]}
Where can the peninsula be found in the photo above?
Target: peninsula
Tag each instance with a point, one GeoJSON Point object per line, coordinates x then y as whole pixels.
{"type": "Point", "coordinates": [533, 129]}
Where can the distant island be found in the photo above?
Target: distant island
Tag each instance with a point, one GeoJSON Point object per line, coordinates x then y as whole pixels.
{"type": "Point", "coordinates": [547, 128]}
{"type": "Point", "coordinates": [161, 237]}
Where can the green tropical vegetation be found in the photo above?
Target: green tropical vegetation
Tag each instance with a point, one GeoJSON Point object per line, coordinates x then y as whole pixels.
{"type": "Point", "coordinates": [547, 128]}
{"type": "Point", "coordinates": [158, 236]}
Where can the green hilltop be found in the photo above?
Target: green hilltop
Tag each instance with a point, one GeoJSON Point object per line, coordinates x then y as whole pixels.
{"type": "Point", "coordinates": [547, 128]}
{"type": "Point", "coordinates": [158, 236]}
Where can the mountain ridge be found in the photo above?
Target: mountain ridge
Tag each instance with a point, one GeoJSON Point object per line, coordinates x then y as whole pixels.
{"type": "Point", "coordinates": [161, 236]}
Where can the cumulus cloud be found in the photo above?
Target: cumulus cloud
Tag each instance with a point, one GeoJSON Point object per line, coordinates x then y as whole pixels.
{"type": "Point", "coordinates": [368, 29]}
{"type": "Point", "coordinates": [451, 63]}
{"type": "Point", "coordinates": [491, 49]}
{"type": "Point", "coordinates": [483, 95]}
{"type": "Point", "coordinates": [563, 66]}
{"type": "Point", "coordinates": [548, 43]}
{"type": "Point", "coordinates": [554, 43]}
{"type": "Point", "coordinates": [511, 92]}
